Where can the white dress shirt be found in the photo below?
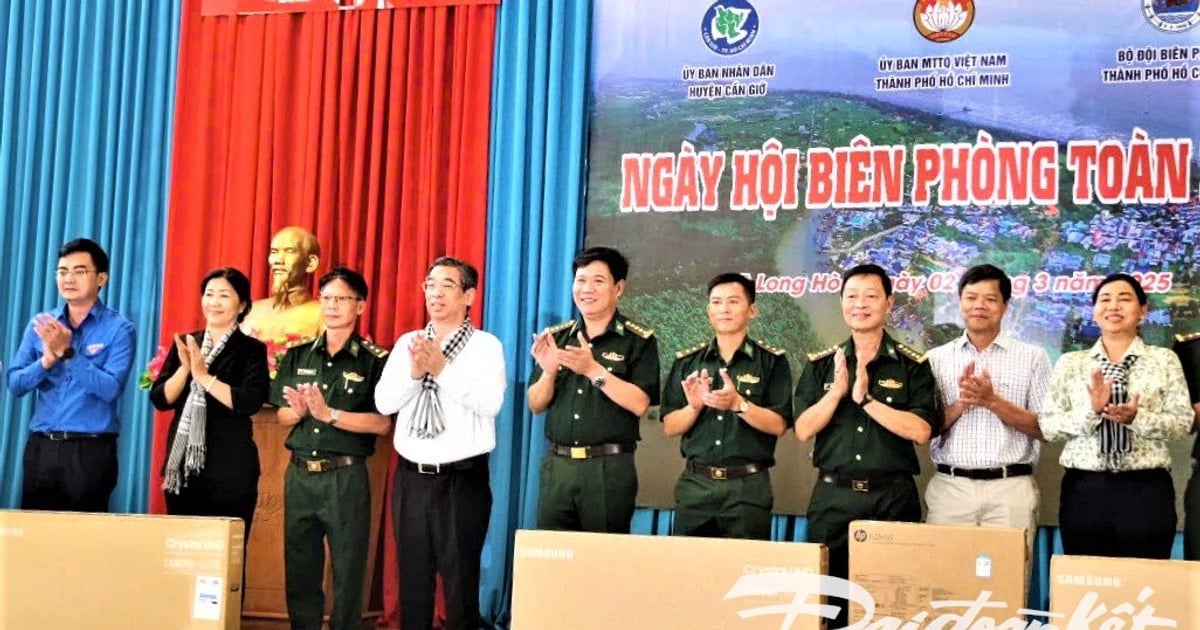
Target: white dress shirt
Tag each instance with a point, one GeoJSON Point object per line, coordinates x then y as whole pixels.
{"type": "Point", "coordinates": [1020, 374]}
{"type": "Point", "coordinates": [470, 390]}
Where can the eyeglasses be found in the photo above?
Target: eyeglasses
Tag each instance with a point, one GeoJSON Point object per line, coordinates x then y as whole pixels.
{"type": "Point", "coordinates": [339, 299]}
{"type": "Point", "coordinates": [430, 286]}
{"type": "Point", "coordinates": [74, 273]}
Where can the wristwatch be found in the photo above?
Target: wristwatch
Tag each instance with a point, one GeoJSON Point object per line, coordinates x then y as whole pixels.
{"type": "Point", "coordinates": [67, 354]}
{"type": "Point", "coordinates": [867, 398]}
{"type": "Point", "coordinates": [334, 416]}
{"type": "Point", "coordinates": [743, 406]}
{"type": "Point", "coordinates": [600, 381]}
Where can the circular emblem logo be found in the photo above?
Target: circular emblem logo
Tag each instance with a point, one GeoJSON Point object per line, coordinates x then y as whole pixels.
{"type": "Point", "coordinates": [730, 26]}
{"type": "Point", "coordinates": [1172, 16]}
{"type": "Point", "coordinates": [942, 21]}
{"type": "Point", "coordinates": [860, 535]}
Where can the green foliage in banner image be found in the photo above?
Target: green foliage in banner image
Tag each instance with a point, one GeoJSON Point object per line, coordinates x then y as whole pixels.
{"type": "Point", "coordinates": [679, 319]}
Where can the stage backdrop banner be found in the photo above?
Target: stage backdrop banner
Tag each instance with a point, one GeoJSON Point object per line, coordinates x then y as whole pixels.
{"type": "Point", "coordinates": [1056, 140]}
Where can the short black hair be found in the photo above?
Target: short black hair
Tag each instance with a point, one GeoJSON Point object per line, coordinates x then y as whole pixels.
{"type": "Point", "coordinates": [352, 278]}
{"type": "Point", "coordinates": [868, 269]}
{"type": "Point", "coordinates": [730, 277]}
{"type": "Point", "coordinates": [89, 247]}
{"type": "Point", "coordinates": [1122, 277]}
{"type": "Point", "coordinates": [466, 272]}
{"type": "Point", "coordinates": [618, 265]}
{"type": "Point", "coordinates": [983, 273]}
{"type": "Point", "coordinates": [237, 280]}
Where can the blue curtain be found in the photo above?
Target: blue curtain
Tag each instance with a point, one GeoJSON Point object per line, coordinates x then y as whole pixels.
{"type": "Point", "coordinates": [85, 130]}
{"type": "Point", "coordinates": [535, 225]}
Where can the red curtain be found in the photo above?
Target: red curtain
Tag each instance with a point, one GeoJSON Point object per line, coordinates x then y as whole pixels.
{"type": "Point", "coordinates": [369, 128]}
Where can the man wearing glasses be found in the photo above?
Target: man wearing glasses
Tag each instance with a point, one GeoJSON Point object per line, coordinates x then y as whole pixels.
{"type": "Point", "coordinates": [77, 361]}
{"type": "Point", "coordinates": [446, 384]}
{"type": "Point", "coordinates": [325, 390]}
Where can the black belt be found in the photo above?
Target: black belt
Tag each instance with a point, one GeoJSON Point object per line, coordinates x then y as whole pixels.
{"type": "Point", "coordinates": [62, 436]}
{"type": "Point", "coordinates": [862, 484]}
{"type": "Point", "coordinates": [724, 472]}
{"type": "Point", "coordinates": [595, 450]}
{"type": "Point", "coordinates": [987, 474]}
{"type": "Point", "coordinates": [441, 469]}
{"type": "Point", "coordinates": [325, 464]}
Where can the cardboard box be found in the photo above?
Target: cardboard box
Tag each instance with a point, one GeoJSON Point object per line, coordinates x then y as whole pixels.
{"type": "Point", "coordinates": [586, 581]}
{"type": "Point", "coordinates": [73, 570]}
{"type": "Point", "coordinates": [908, 568]}
{"type": "Point", "coordinates": [1085, 591]}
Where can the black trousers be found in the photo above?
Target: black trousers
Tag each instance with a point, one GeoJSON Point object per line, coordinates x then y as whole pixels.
{"type": "Point", "coordinates": [441, 521]}
{"type": "Point", "coordinates": [1118, 514]}
{"type": "Point", "coordinates": [73, 475]}
{"type": "Point", "coordinates": [831, 510]}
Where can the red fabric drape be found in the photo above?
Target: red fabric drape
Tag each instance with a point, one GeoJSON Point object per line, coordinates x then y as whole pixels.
{"type": "Point", "coordinates": [369, 128]}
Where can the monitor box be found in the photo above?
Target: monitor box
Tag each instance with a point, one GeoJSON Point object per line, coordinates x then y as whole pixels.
{"type": "Point", "coordinates": [1113, 592]}
{"type": "Point", "coordinates": [911, 570]}
{"type": "Point", "coordinates": [588, 581]}
{"type": "Point", "coordinates": [80, 570]}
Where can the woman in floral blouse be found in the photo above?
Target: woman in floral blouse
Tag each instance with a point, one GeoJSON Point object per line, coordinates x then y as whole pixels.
{"type": "Point", "coordinates": [1116, 406]}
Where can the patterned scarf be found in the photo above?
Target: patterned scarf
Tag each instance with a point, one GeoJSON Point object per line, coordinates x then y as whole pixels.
{"type": "Point", "coordinates": [428, 420]}
{"type": "Point", "coordinates": [1115, 438]}
{"type": "Point", "coordinates": [187, 451]}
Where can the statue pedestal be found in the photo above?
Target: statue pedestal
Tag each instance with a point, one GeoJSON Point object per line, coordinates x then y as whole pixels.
{"type": "Point", "coordinates": [265, 588]}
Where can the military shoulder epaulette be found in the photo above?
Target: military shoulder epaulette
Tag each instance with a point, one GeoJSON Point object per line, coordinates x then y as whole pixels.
{"type": "Point", "coordinates": [817, 356]}
{"type": "Point", "coordinates": [1181, 338]}
{"type": "Point", "coordinates": [639, 329]}
{"type": "Point", "coordinates": [910, 353]}
{"type": "Point", "coordinates": [557, 328]}
{"type": "Point", "coordinates": [374, 349]}
{"type": "Point", "coordinates": [690, 351]}
{"type": "Point", "coordinates": [299, 342]}
{"type": "Point", "coordinates": [772, 349]}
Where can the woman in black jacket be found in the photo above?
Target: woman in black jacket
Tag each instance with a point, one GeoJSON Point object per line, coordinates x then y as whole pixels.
{"type": "Point", "coordinates": [214, 379]}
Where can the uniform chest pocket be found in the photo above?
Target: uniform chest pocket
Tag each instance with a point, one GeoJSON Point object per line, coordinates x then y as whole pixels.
{"type": "Point", "coordinates": [350, 391]}
{"type": "Point", "coordinates": [749, 386]}
{"type": "Point", "coordinates": [891, 391]}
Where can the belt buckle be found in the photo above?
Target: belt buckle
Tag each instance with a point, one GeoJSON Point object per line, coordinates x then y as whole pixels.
{"type": "Point", "coordinates": [717, 473]}
{"type": "Point", "coordinates": [860, 485]}
{"type": "Point", "coordinates": [315, 465]}
{"type": "Point", "coordinates": [56, 436]}
{"type": "Point", "coordinates": [578, 452]}
{"type": "Point", "coordinates": [429, 469]}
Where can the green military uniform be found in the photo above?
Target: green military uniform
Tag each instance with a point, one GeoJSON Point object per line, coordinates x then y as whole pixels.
{"type": "Point", "coordinates": [588, 480]}
{"type": "Point", "coordinates": [326, 490]}
{"type": "Point", "coordinates": [866, 471]}
{"type": "Point", "coordinates": [725, 489]}
{"type": "Point", "coordinates": [1188, 349]}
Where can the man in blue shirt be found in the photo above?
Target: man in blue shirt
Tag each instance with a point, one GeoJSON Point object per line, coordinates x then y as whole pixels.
{"type": "Point", "coordinates": [77, 361]}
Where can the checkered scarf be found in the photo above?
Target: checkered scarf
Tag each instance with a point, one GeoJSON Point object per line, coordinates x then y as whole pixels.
{"type": "Point", "coordinates": [428, 420]}
{"type": "Point", "coordinates": [187, 451]}
{"type": "Point", "coordinates": [1115, 438]}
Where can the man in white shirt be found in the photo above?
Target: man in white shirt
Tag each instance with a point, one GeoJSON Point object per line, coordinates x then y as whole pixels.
{"type": "Point", "coordinates": [992, 388]}
{"type": "Point", "coordinates": [446, 384]}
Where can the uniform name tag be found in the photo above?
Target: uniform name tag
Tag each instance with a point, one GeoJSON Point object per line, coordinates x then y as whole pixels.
{"type": "Point", "coordinates": [305, 372]}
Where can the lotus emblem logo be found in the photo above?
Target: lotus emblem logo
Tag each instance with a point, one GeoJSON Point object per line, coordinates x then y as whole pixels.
{"type": "Point", "coordinates": [943, 21]}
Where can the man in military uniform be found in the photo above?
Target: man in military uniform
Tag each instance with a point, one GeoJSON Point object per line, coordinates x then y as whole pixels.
{"type": "Point", "coordinates": [595, 377]}
{"type": "Point", "coordinates": [729, 433]}
{"type": "Point", "coordinates": [1188, 349]}
{"type": "Point", "coordinates": [325, 387]}
{"type": "Point", "coordinates": [867, 402]}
